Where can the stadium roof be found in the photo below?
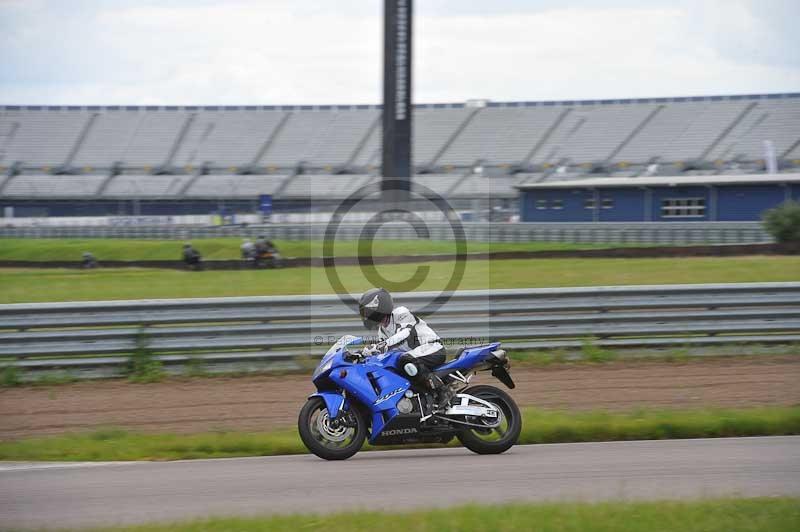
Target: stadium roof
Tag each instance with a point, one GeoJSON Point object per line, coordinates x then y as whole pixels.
{"type": "Point", "coordinates": [670, 181]}
{"type": "Point", "coordinates": [448, 105]}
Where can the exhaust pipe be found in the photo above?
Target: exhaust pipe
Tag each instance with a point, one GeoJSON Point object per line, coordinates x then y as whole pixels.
{"type": "Point", "coordinates": [497, 358]}
{"type": "Point", "coordinates": [499, 367]}
{"type": "Point", "coordinates": [500, 355]}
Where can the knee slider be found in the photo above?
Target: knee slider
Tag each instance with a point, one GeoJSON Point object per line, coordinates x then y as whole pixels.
{"type": "Point", "coordinates": [410, 369]}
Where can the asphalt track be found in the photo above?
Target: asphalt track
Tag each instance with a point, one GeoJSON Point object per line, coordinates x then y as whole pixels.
{"type": "Point", "coordinates": [70, 495]}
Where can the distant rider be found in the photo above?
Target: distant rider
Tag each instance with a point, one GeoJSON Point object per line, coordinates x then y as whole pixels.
{"type": "Point", "coordinates": [248, 250]}
{"type": "Point", "coordinates": [399, 328]}
{"type": "Point", "coordinates": [261, 246]}
{"type": "Point", "coordinates": [192, 257]}
{"type": "Point", "coordinates": [272, 250]}
{"type": "Point", "coordinates": [88, 260]}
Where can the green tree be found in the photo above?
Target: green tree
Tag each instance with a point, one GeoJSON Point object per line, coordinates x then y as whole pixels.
{"type": "Point", "coordinates": [783, 222]}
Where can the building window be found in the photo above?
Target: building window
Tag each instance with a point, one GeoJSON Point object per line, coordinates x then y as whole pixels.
{"type": "Point", "coordinates": [607, 203]}
{"type": "Point", "coordinates": [683, 207]}
{"type": "Point", "coordinates": [541, 204]}
{"type": "Point", "coordinates": [557, 205]}
{"type": "Point", "coordinates": [588, 203]}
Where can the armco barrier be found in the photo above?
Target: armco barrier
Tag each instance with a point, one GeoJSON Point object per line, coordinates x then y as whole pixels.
{"type": "Point", "coordinates": [91, 335]}
{"type": "Point", "coordinates": [666, 233]}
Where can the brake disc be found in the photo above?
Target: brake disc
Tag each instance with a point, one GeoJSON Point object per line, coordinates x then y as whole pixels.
{"type": "Point", "coordinates": [337, 434]}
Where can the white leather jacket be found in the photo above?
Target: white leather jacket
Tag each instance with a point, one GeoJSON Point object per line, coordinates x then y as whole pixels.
{"type": "Point", "coordinates": [411, 334]}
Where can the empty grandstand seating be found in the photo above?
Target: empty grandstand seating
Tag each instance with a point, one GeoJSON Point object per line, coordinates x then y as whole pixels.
{"type": "Point", "coordinates": [330, 151]}
{"type": "Point", "coordinates": [682, 132]}
{"type": "Point", "coordinates": [306, 186]}
{"type": "Point", "coordinates": [234, 186]}
{"type": "Point", "coordinates": [137, 139]}
{"type": "Point", "coordinates": [475, 186]}
{"type": "Point", "coordinates": [704, 128]}
{"type": "Point", "coordinates": [433, 128]}
{"type": "Point", "coordinates": [368, 156]}
{"type": "Point", "coordinates": [335, 144]}
{"type": "Point", "coordinates": [227, 138]}
{"type": "Point", "coordinates": [55, 186]}
{"type": "Point", "coordinates": [40, 138]}
{"type": "Point", "coordinates": [145, 186]}
{"type": "Point", "coordinates": [501, 135]}
{"type": "Point", "coordinates": [593, 133]}
{"type": "Point", "coordinates": [319, 138]}
{"type": "Point", "coordinates": [439, 184]}
{"type": "Point", "coordinates": [776, 120]}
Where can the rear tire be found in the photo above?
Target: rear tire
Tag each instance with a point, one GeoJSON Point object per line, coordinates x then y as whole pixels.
{"type": "Point", "coordinates": [325, 441]}
{"type": "Point", "coordinates": [481, 443]}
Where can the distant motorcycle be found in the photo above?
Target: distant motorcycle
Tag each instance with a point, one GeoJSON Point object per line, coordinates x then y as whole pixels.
{"type": "Point", "coordinates": [364, 396]}
{"type": "Point", "coordinates": [268, 259]}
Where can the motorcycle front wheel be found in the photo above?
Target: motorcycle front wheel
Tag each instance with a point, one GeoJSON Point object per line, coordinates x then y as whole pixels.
{"type": "Point", "coordinates": [324, 437]}
{"type": "Point", "coordinates": [499, 438]}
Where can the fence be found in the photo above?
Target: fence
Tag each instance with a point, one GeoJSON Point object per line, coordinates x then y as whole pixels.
{"type": "Point", "coordinates": [670, 233]}
{"type": "Point", "coordinates": [96, 338]}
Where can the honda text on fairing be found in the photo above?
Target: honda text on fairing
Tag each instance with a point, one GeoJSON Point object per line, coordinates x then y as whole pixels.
{"type": "Point", "coordinates": [362, 395]}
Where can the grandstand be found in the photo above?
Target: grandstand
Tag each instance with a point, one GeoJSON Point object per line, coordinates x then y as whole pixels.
{"type": "Point", "coordinates": [194, 156]}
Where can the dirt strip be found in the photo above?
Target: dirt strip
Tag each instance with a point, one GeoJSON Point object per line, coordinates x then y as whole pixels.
{"type": "Point", "coordinates": [257, 403]}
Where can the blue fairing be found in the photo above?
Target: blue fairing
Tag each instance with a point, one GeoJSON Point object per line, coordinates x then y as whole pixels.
{"type": "Point", "coordinates": [376, 382]}
{"type": "Point", "coordinates": [334, 402]}
{"type": "Point", "coordinates": [470, 357]}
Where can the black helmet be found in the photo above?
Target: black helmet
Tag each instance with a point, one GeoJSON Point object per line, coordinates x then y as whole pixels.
{"type": "Point", "coordinates": [374, 306]}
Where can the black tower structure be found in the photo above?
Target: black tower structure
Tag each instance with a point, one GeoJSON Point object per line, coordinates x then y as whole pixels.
{"type": "Point", "coordinates": [397, 112]}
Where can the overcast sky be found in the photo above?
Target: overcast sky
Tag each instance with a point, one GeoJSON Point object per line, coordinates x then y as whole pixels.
{"type": "Point", "coordinates": [329, 51]}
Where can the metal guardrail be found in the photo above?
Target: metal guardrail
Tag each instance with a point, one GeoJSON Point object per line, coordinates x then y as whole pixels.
{"type": "Point", "coordinates": [668, 233]}
{"type": "Point", "coordinates": [86, 336]}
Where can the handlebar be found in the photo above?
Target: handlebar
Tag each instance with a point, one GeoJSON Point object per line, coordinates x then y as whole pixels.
{"type": "Point", "coordinates": [353, 356]}
{"type": "Point", "coordinates": [359, 356]}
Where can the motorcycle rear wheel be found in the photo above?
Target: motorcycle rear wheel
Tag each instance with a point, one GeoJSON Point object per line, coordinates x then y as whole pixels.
{"type": "Point", "coordinates": [493, 440]}
{"type": "Point", "coordinates": [323, 438]}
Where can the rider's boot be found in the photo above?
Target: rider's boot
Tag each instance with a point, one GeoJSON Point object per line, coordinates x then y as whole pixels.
{"type": "Point", "coordinates": [441, 391]}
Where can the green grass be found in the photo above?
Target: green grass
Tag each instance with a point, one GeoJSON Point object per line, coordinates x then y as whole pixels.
{"type": "Point", "coordinates": [592, 354]}
{"type": "Point", "coordinates": [46, 249]}
{"type": "Point", "coordinates": [539, 426]}
{"type": "Point", "coordinates": [39, 285]}
{"type": "Point", "coordinates": [545, 426]}
{"type": "Point", "coordinates": [10, 376]}
{"type": "Point", "coordinates": [714, 515]}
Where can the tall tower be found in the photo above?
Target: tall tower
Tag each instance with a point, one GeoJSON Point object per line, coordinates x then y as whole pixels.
{"type": "Point", "coordinates": [397, 112]}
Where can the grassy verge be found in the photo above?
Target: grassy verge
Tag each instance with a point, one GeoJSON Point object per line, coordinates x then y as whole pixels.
{"type": "Point", "coordinates": [590, 353]}
{"type": "Point", "coordinates": [715, 515]}
{"type": "Point", "coordinates": [539, 426]}
{"type": "Point", "coordinates": [29, 285]}
{"type": "Point", "coordinates": [46, 249]}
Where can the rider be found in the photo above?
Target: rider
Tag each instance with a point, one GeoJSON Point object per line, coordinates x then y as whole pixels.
{"type": "Point", "coordinates": [399, 328]}
{"type": "Point", "coordinates": [192, 257]}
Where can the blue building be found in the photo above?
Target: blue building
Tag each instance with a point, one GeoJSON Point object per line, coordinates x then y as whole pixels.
{"type": "Point", "coordinates": [657, 199]}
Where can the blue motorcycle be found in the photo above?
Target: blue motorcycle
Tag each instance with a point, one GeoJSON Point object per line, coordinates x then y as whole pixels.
{"type": "Point", "coordinates": [362, 395]}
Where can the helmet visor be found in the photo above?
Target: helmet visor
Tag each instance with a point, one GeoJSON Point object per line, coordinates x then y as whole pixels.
{"type": "Point", "coordinates": [371, 318]}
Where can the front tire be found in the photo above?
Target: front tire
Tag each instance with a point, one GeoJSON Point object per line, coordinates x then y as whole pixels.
{"type": "Point", "coordinates": [323, 438]}
{"type": "Point", "coordinates": [495, 440]}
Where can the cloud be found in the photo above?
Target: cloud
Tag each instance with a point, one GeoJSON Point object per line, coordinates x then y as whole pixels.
{"type": "Point", "coordinates": [749, 31]}
{"type": "Point", "coordinates": [282, 51]}
{"type": "Point", "coordinates": [582, 53]}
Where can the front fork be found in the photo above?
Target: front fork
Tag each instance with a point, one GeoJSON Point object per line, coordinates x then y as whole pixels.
{"type": "Point", "coordinates": [339, 411]}
{"type": "Point", "coordinates": [336, 403]}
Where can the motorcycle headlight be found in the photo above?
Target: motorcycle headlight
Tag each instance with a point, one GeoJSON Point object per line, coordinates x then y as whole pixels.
{"type": "Point", "coordinates": [323, 368]}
